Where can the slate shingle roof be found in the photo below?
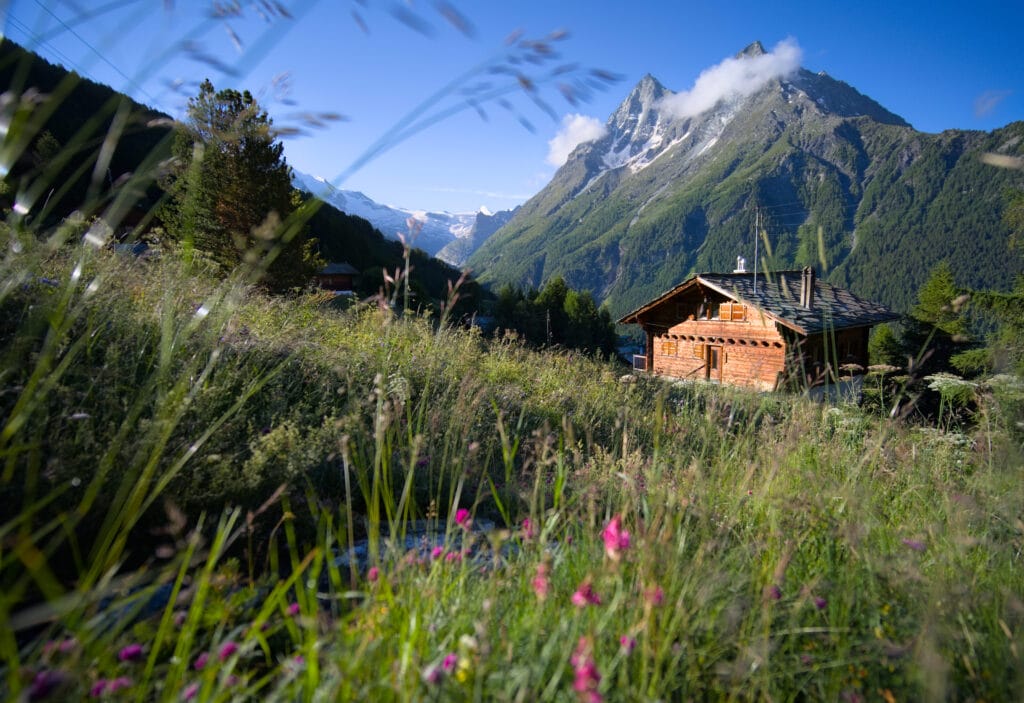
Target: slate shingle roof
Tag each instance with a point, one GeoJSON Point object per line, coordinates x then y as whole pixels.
{"type": "Point", "coordinates": [338, 269]}
{"type": "Point", "coordinates": [778, 295]}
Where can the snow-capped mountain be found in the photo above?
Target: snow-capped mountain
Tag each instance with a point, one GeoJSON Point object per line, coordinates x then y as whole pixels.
{"type": "Point", "coordinates": [837, 181]}
{"type": "Point", "coordinates": [432, 232]}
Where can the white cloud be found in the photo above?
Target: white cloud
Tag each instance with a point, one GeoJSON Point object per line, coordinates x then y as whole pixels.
{"type": "Point", "coordinates": [988, 101]}
{"type": "Point", "coordinates": [735, 76]}
{"type": "Point", "coordinates": [575, 130]}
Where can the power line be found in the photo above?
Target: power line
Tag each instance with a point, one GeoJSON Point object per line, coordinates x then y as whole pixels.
{"type": "Point", "coordinates": [130, 83]}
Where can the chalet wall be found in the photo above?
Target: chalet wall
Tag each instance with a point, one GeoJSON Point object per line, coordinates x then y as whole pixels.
{"type": "Point", "coordinates": [752, 351]}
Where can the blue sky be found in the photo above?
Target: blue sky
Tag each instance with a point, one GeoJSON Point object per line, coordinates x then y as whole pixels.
{"type": "Point", "coordinates": [939, 65]}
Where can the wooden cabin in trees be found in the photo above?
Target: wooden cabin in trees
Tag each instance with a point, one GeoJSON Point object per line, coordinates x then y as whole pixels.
{"type": "Point", "coordinates": [338, 277]}
{"type": "Point", "coordinates": [765, 331]}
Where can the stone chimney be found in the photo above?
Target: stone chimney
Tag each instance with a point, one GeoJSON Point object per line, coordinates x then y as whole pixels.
{"type": "Point", "coordinates": [741, 265]}
{"type": "Point", "coordinates": [807, 288]}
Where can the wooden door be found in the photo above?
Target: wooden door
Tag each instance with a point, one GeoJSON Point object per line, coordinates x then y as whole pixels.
{"type": "Point", "coordinates": [713, 363]}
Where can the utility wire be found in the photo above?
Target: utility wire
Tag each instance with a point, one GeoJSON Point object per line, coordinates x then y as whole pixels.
{"type": "Point", "coordinates": [130, 83]}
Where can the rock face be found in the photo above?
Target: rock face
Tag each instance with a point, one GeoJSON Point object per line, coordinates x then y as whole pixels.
{"type": "Point", "coordinates": [458, 251]}
{"type": "Point", "coordinates": [837, 182]}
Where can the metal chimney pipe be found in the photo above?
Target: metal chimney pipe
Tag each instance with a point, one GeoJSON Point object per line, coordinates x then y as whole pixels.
{"type": "Point", "coordinates": [807, 288]}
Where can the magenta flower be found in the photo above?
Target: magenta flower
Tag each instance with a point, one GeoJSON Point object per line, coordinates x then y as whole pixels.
{"type": "Point", "coordinates": [820, 603]}
{"type": "Point", "coordinates": [200, 661]}
{"type": "Point", "coordinates": [586, 677]}
{"type": "Point", "coordinates": [433, 675]}
{"type": "Point", "coordinates": [294, 609]}
{"type": "Point", "coordinates": [914, 544]}
{"type": "Point", "coordinates": [437, 552]}
{"type": "Point", "coordinates": [462, 518]}
{"type": "Point", "coordinates": [627, 643]}
{"type": "Point", "coordinates": [616, 539]}
{"type": "Point", "coordinates": [585, 596]}
{"type": "Point", "coordinates": [190, 691]}
{"type": "Point", "coordinates": [98, 688]}
{"type": "Point", "coordinates": [373, 574]}
{"type": "Point", "coordinates": [773, 592]}
{"type": "Point", "coordinates": [528, 531]}
{"type": "Point", "coordinates": [44, 683]}
{"type": "Point", "coordinates": [448, 665]}
{"type": "Point", "coordinates": [540, 581]}
{"type": "Point", "coordinates": [131, 653]}
{"type": "Point", "coordinates": [227, 649]}
{"type": "Point", "coordinates": [452, 556]}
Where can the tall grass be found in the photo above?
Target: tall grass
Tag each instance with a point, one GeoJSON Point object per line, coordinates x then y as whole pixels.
{"type": "Point", "coordinates": [210, 494]}
{"type": "Point", "coordinates": [191, 463]}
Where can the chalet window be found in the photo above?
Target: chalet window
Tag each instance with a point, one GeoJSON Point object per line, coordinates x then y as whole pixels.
{"type": "Point", "coordinates": [733, 311]}
{"type": "Point", "coordinates": [668, 347]}
{"type": "Point", "coordinates": [714, 310]}
{"type": "Point", "coordinates": [698, 351]}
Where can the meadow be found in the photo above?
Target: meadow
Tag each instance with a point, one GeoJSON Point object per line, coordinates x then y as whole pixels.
{"type": "Point", "coordinates": [188, 465]}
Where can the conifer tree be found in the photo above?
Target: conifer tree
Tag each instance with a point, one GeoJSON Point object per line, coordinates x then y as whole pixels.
{"type": "Point", "coordinates": [231, 189]}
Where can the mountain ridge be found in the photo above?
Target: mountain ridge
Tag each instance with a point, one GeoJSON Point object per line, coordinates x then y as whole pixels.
{"type": "Point", "coordinates": [842, 182]}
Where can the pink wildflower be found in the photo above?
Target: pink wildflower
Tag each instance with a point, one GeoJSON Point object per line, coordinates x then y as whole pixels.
{"type": "Point", "coordinates": [98, 688]}
{"type": "Point", "coordinates": [914, 544]}
{"type": "Point", "coordinates": [190, 691]}
{"type": "Point", "coordinates": [820, 603]}
{"type": "Point", "coordinates": [437, 552]}
{"type": "Point", "coordinates": [200, 661]}
{"type": "Point", "coordinates": [585, 596]}
{"type": "Point", "coordinates": [448, 665]}
{"type": "Point", "coordinates": [452, 556]}
{"type": "Point", "coordinates": [627, 643]}
{"type": "Point", "coordinates": [528, 531]}
{"type": "Point", "coordinates": [462, 518]}
{"type": "Point", "coordinates": [773, 592]}
{"type": "Point", "coordinates": [118, 683]}
{"type": "Point", "coordinates": [586, 677]}
{"type": "Point", "coordinates": [654, 595]}
{"type": "Point", "coordinates": [373, 574]}
{"type": "Point", "coordinates": [540, 581]}
{"type": "Point", "coordinates": [131, 653]}
{"type": "Point", "coordinates": [616, 539]}
{"type": "Point", "coordinates": [227, 649]}
{"type": "Point", "coordinates": [294, 609]}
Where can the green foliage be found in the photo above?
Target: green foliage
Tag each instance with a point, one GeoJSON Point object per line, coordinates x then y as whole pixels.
{"type": "Point", "coordinates": [54, 146]}
{"type": "Point", "coordinates": [555, 315]}
{"type": "Point", "coordinates": [939, 303]}
{"type": "Point", "coordinates": [231, 191]}
{"type": "Point", "coordinates": [859, 553]}
{"type": "Point", "coordinates": [884, 347]}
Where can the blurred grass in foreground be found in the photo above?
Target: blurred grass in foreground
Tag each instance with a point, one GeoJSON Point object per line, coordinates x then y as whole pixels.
{"type": "Point", "coordinates": [185, 459]}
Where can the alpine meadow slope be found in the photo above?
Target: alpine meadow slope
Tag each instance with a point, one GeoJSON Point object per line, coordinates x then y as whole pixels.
{"type": "Point", "coordinates": [841, 183]}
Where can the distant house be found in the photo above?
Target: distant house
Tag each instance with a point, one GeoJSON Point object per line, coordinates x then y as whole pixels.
{"type": "Point", "coordinates": [763, 331]}
{"type": "Point", "coordinates": [337, 277]}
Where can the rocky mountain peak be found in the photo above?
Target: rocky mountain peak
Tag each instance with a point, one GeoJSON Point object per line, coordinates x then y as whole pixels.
{"type": "Point", "coordinates": [756, 48]}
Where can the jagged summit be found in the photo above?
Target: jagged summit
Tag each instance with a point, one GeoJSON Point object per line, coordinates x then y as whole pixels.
{"type": "Point", "coordinates": [668, 190]}
{"type": "Point", "coordinates": [756, 48]}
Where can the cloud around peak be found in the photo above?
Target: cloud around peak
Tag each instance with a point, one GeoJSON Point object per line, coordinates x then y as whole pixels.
{"type": "Point", "coordinates": [575, 130]}
{"type": "Point", "coordinates": [735, 76]}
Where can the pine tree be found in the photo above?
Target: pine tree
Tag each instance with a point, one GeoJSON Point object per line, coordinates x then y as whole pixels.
{"type": "Point", "coordinates": [231, 190]}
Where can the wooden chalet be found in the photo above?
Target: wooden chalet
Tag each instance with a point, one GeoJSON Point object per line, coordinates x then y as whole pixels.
{"type": "Point", "coordinates": [337, 277]}
{"type": "Point", "coordinates": [764, 331]}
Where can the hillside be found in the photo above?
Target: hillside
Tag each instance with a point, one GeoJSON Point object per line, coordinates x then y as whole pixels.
{"type": "Point", "coordinates": [841, 183]}
{"type": "Point", "coordinates": [64, 160]}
